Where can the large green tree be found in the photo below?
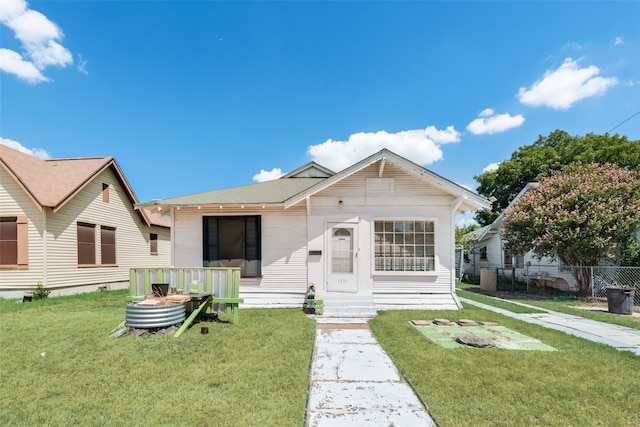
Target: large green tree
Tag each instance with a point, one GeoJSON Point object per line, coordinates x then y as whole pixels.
{"type": "Point", "coordinates": [581, 215]}
{"type": "Point", "coordinates": [544, 158]}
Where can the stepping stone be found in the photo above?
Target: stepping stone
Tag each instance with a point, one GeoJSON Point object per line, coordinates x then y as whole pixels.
{"type": "Point", "coordinates": [442, 322]}
{"type": "Point", "coordinates": [466, 322]}
{"type": "Point", "coordinates": [421, 322]}
{"type": "Point", "coordinates": [488, 323]}
{"type": "Point", "coordinates": [474, 340]}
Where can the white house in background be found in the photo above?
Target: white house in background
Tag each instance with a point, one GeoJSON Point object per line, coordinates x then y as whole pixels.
{"type": "Point", "coordinates": [70, 224]}
{"type": "Point", "coordinates": [487, 251]}
{"type": "Point", "coordinates": [378, 235]}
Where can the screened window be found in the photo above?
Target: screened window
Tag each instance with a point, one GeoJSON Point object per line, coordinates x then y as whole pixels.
{"type": "Point", "coordinates": [153, 243]}
{"type": "Point", "coordinates": [483, 254]}
{"type": "Point", "coordinates": [8, 241]}
{"type": "Point", "coordinates": [404, 246]}
{"type": "Point", "coordinates": [107, 245]}
{"type": "Point", "coordinates": [233, 241]}
{"type": "Point", "coordinates": [86, 244]}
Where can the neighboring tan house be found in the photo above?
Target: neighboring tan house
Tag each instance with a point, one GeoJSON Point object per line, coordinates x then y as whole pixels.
{"type": "Point", "coordinates": [487, 251]}
{"type": "Point", "coordinates": [379, 234]}
{"type": "Point", "coordinates": [71, 225]}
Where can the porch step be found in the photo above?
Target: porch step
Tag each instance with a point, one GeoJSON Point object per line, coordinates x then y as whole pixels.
{"type": "Point", "coordinates": [348, 306]}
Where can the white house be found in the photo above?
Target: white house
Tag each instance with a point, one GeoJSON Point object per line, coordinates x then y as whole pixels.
{"type": "Point", "coordinates": [487, 251]}
{"type": "Point", "coordinates": [377, 235]}
{"type": "Point", "coordinates": [70, 225]}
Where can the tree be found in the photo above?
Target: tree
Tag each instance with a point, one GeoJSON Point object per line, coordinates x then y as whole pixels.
{"type": "Point", "coordinates": [462, 238]}
{"type": "Point", "coordinates": [581, 216]}
{"type": "Point", "coordinates": [547, 156]}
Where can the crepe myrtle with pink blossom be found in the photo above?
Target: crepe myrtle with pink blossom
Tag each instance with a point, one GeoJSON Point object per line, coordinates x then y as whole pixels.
{"type": "Point", "coordinates": [584, 215]}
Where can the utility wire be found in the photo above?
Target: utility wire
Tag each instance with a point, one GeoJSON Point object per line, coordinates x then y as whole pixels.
{"type": "Point", "coordinates": [623, 122]}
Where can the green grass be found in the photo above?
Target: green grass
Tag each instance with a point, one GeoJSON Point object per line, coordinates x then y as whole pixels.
{"type": "Point", "coordinates": [514, 308]}
{"type": "Point", "coordinates": [251, 374]}
{"type": "Point", "coordinates": [582, 384]}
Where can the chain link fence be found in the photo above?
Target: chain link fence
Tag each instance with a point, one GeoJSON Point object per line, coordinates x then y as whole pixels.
{"type": "Point", "coordinates": [601, 277]}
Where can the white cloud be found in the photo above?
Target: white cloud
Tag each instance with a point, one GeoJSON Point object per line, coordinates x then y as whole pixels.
{"type": "Point", "coordinates": [421, 146]}
{"type": "Point", "coordinates": [491, 167]}
{"type": "Point", "coordinates": [560, 89]}
{"type": "Point", "coordinates": [464, 220]}
{"type": "Point", "coordinates": [618, 41]}
{"type": "Point", "coordinates": [13, 63]}
{"type": "Point", "coordinates": [489, 122]}
{"type": "Point", "coordinates": [82, 65]}
{"type": "Point", "coordinates": [264, 175]}
{"type": "Point", "coordinates": [39, 153]}
{"type": "Point", "coordinates": [39, 38]}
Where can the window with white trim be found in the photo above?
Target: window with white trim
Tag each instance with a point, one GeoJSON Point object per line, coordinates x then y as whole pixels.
{"type": "Point", "coordinates": [404, 245]}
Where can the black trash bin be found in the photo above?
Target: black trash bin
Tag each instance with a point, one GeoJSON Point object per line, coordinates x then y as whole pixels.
{"type": "Point", "coordinates": [620, 299]}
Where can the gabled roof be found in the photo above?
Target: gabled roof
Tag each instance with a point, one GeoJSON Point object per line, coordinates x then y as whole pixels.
{"type": "Point", "coordinates": [312, 178]}
{"type": "Point", "coordinates": [53, 183]}
{"type": "Point", "coordinates": [496, 226]}
{"type": "Point", "coordinates": [467, 200]}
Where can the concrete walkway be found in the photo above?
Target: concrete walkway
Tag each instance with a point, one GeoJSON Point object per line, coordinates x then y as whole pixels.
{"type": "Point", "coordinates": [620, 337]}
{"type": "Point", "coordinates": [353, 382]}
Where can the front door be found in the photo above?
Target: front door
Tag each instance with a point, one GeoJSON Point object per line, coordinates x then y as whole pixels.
{"type": "Point", "coordinates": [343, 251]}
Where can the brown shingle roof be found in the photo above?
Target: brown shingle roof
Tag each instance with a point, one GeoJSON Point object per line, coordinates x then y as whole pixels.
{"type": "Point", "coordinates": [52, 183]}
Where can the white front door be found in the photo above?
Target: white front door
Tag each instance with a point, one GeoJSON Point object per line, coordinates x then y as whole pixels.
{"type": "Point", "coordinates": [343, 252]}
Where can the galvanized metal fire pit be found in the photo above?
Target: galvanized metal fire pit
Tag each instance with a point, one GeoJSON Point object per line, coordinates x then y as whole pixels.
{"type": "Point", "coordinates": [142, 316]}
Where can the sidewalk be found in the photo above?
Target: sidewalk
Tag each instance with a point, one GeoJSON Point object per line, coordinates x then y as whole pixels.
{"type": "Point", "coordinates": [353, 382]}
{"type": "Point", "coordinates": [620, 337]}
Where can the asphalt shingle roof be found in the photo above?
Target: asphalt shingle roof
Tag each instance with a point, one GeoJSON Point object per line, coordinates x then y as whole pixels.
{"type": "Point", "coordinates": [276, 191]}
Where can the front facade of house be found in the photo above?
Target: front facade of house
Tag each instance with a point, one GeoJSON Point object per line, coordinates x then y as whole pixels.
{"type": "Point", "coordinates": [70, 225]}
{"type": "Point", "coordinates": [382, 229]}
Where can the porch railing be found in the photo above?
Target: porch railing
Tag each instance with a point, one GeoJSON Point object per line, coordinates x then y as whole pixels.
{"type": "Point", "coordinates": [223, 283]}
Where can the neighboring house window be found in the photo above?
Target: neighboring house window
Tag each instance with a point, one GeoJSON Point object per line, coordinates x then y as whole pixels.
{"type": "Point", "coordinates": [105, 193]}
{"type": "Point", "coordinates": [14, 242]}
{"type": "Point", "coordinates": [107, 245]}
{"type": "Point", "coordinates": [483, 253]}
{"type": "Point", "coordinates": [153, 243]}
{"type": "Point", "coordinates": [8, 241]}
{"type": "Point", "coordinates": [233, 241]}
{"type": "Point", "coordinates": [404, 245]}
{"type": "Point", "coordinates": [86, 244]}
{"type": "Point", "coordinates": [519, 261]}
{"type": "Point", "coordinates": [508, 260]}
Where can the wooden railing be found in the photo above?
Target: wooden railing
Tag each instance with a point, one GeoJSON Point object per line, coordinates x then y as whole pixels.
{"type": "Point", "coordinates": [223, 283]}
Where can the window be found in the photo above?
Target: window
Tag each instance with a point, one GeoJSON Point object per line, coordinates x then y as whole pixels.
{"type": "Point", "coordinates": [153, 243]}
{"type": "Point", "coordinates": [86, 244]}
{"type": "Point", "coordinates": [107, 245]}
{"type": "Point", "coordinates": [233, 241]}
{"type": "Point", "coordinates": [483, 254]}
{"type": "Point", "coordinates": [404, 246]}
{"type": "Point", "coordinates": [105, 193]}
{"type": "Point", "coordinates": [8, 241]}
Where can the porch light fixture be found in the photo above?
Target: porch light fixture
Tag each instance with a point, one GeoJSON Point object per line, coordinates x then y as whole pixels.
{"type": "Point", "coordinates": [263, 206]}
{"type": "Point", "coordinates": [199, 207]}
{"type": "Point", "coordinates": [241, 206]}
{"type": "Point", "coordinates": [220, 206]}
{"type": "Point", "coordinates": [340, 202]}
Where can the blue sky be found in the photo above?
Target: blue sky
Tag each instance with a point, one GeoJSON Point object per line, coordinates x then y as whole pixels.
{"type": "Point", "coordinates": [201, 95]}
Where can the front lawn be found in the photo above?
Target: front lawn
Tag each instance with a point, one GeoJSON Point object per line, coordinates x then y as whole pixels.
{"type": "Point", "coordinates": [59, 367]}
{"type": "Point", "coordinates": [581, 384]}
